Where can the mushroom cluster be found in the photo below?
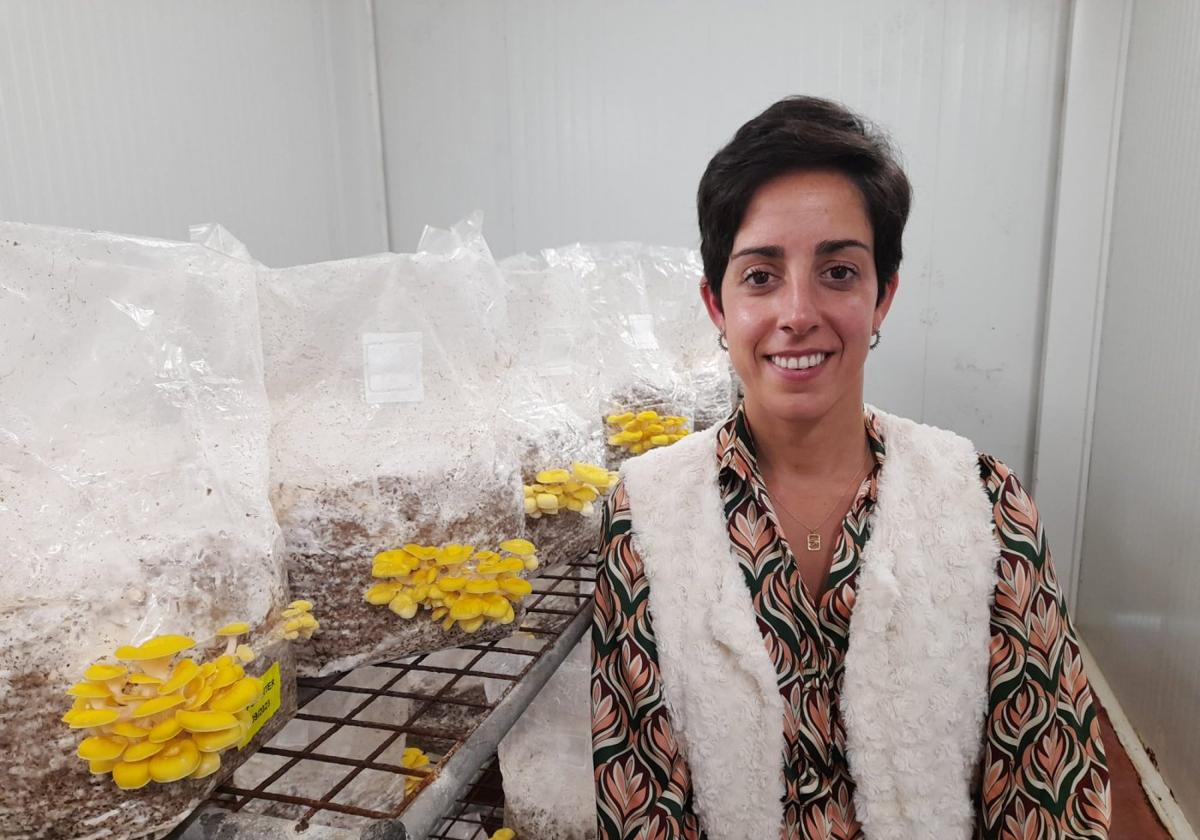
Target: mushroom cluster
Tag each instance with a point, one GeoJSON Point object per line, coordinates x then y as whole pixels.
{"type": "Point", "coordinates": [635, 433]}
{"type": "Point", "coordinates": [503, 834]}
{"type": "Point", "coordinates": [575, 489]}
{"type": "Point", "coordinates": [455, 582]}
{"type": "Point", "coordinates": [414, 758]}
{"type": "Point", "coordinates": [152, 718]}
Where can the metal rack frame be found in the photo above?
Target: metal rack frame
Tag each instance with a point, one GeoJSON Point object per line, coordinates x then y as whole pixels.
{"type": "Point", "coordinates": [558, 613]}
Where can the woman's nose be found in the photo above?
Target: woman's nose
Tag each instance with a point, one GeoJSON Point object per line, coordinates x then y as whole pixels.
{"type": "Point", "coordinates": [797, 312]}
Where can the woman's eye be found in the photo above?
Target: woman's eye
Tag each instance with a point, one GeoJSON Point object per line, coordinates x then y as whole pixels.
{"type": "Point", "coordinates": [758, 277]}
{"type": "Point", "coordinates": [842, 273]}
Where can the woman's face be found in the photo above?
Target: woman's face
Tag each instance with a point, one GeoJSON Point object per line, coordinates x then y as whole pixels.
{"type": "Point", "coordinates": [798, 300]}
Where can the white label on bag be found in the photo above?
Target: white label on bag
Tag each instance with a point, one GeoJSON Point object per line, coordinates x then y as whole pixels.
{"type": "Point", "coordinates": [641, 332]}
{"type": "Point", "coordinates": [392, 367]}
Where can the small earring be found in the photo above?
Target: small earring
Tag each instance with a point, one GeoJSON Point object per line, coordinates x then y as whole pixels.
{"type": "Point", "coordinates": [723, 342]}
{"type": "Point", "coordinates": [878, 338]}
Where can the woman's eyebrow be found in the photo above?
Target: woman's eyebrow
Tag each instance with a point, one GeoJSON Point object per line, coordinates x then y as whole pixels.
{"type": "Point", "coordinates": [830, 246]}
{"type": "Point", "coordinates": [769, 251]}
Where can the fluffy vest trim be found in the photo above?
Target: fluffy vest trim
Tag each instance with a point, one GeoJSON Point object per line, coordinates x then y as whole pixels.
{"type": "Point", "coordinates": [915, 688]}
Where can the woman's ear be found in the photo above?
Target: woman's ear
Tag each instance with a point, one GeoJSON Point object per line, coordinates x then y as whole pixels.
{"type": "Point", "coordinates": [715, 313]}
{"type": "Point", "coordinates": [885, 302]}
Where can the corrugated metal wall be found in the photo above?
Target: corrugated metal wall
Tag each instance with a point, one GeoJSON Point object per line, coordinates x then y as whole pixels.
{"type": "Point", "coordinates": [593, 120]}
{"type": "Point", "coordinates": [1139, 595]}
{"type": "Point", "coordinates": [144, 117]}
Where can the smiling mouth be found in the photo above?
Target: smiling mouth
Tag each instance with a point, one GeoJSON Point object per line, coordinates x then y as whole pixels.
{"type": "Point", "coordinates": [807, 362]}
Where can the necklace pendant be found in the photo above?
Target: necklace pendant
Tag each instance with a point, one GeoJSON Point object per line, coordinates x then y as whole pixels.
{"type": "Point", "coordinates": [814, 542]}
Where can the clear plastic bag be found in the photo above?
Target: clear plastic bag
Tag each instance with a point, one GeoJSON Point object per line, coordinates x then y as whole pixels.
{"type": "Point", "coordinates": [382, 374]}
{"type": "Point", "coordinates": [553, 391]}
{"type": "Point", "coordinates": [133, 497]}
{"type": "Point", "coordinates": [658, 349]}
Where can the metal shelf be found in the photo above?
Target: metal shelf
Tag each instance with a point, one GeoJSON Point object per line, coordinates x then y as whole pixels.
{"type": "Point", "coordinates": [334, 771]}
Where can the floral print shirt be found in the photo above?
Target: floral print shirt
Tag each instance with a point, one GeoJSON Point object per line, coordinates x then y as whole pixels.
{"type": "Point", "coordinates": [1043, 773]}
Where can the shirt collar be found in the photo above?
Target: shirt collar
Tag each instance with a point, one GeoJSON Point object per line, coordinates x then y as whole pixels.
{"type": "Point", "coordinates": [737, 458]}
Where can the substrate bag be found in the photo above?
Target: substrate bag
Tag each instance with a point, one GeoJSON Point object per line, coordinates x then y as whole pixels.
{"type": "Point", "coordinates": [136, 523]}
{"type": "Point", "coordinates": [551, 403]}
{"type": "Point", "coordinates": [388, 475]}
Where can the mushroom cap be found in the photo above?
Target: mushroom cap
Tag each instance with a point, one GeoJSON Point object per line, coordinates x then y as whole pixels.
{"type": "Point", "coordinates": [90, 690]}
{"type": "Point", "coordinates": [503, 834]}
{"type": "Point", "coordinates": [227, 674]}
{"type": "Point", "coordinates": [245, 653]}
{"type": "Point", "coordinates": [202, 695]}
{"type": "Point", "coordinates": [87, 718]}
{"type": "Point", "coordinates": [194, 721]}
{"type": "Point", "coordinates": [185, 671]}
{"type": "Point", "coordinates": [520, 547]}
{"type": "Point", "coordinates": [180, 758]}
{"type": "Point", "coordinates": [101, 768]}
{"type": "Point", "coordinates": [165, 731]}
{"type": "Point", "coordinates": [236, 628]}
{"type": "Point", "coordinates": [127, 729]}
{"type": "Point", "coordinates": [421, 552]}
{"type": "Point", "coordinates": [466, 608]}
{"type": "Point", "coordinates": [131, 775]}
{"type": "Point", "coordinates": [157, 704]}
{"type": "Point", "coordinates": [211, 742]}
{"type": "Point", "coordinates": [102, 672]}
{"type": "Point", "coordinates": [300, 604]}
{"type": "Point", "coordinates": [100, 748]}
{"type": "Point", "coordinates": [142, 750]}
{"type": "Point", "coordinates": [516, 586]}
{"type": "Point", "coordinates": [138, 678]}
{"type": "Point", "coordinates": [156, 648]}
{"type": "Point", "coordinates": [237, 696]}
{"type": "Point", "coordinates": [210, 762]}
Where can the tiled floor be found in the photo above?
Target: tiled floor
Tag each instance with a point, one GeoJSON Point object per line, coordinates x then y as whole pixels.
{"type": "Point", "coordinates": [1133, 818]}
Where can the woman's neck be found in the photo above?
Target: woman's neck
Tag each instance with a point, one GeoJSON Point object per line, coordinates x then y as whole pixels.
{"type": "Point", "coordinates": [823, 448]}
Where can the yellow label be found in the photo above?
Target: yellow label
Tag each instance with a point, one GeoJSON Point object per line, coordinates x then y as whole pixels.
{"type": "Point", "coordinates": [267, 705]}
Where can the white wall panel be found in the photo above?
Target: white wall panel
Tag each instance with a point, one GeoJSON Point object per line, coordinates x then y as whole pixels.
{"type": "Point", "coordinates": [593, 120]}
{"type": "Point", "coordinates": [142, 117]}
{"type": "Point", "coordinates": [1139, 588]}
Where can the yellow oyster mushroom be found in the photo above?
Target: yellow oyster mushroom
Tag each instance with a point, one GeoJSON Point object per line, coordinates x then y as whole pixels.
{"type": "Point", "coordinates": [143, 679]}
{"type": "Point", "coordinates": [164, 731]}
{"type": "Point", "coordinates": [660, 440]}
{"type": "Point", "coordinates": [547, 502]}
{"type": "Point", "coordinates": [466, 608]}
{"type": "Point", "coordinates": [226, 675]}
{"type": "Point", "coordinates": [131, 775]}
{"type": "Point", "coordinates": [244, 653]}
{"type": "Point", "coordinates": [101, 768]}
{"type": "Point", "coordinates": [586, 509]}
{"type": "Point", "coordinates": [503, 834]}
{"type": "Point", "coordinates": [210, 762]}
{"type": "Point", "coordinates": [380, 594]}
{"type": "Point", "coordinates": [157, 704]}
{"type": "Point", "coordinates": [100, 748]}
{"type": "Point", "coordinates": [471, 624]}
{"type": "Point", "coordinates": [209, 742]}
{"type": "Point", "coordinates": [553, 476]}
{"type": "Point", "coordinates": [103, 672]}
{"type": "Point", "coordinates": [574, 505]}
{"type": "Point", "coordinates": [451, 583]}
{"type": "Point", "coordinates": [179, 759]}
{"type": "Point", "coordinates": [301, 604]}
{"type": "Point", "coordinates": [619, 419]}
{"type": "Point", "coordinates": [237, 628]}
{"type": "Point", "coordinates": [237, 696]}
{"type": "Point", "coordinates": [655, 429]}
{"type": "Point", "coordinates": [448, 622]}
{"type": "Point", "coordinates": [394, 563]}
{"type": "Point", "coordinates": [516, 586]}
{"type": "Point", "coordinates": [509, 616]}
{"type": "Point", "coordinates": [142, 750]}
{"type": "Point", "coordinates": [130, 730]}
{"type": "Point", "coordinates": [185, 671]}
{"type": "Point", "coordinates": [586, 493]}
{"type": "Point", "coordinates": [519, 547]}
{"type": "Point", "coordinates": [404, 609]}
{"type": "Point", "coordinates": [530, 505]}
{"type": "Point", "coordinates": [90, 691]}
{"type": "Point", "coordinates": [421, 552]}
{"type": "Point", "coordinates": [155, 654]}
{"type": "Point", "coordinates": [87, 718]}
{"type": "Point", "coordinates": [440, 613]}
{"type": "Point", "coordinates": [647, 416]}
{"type": "Point", "coordinates": [453, 554]}
{"type": "Point", "coordinates": [200, 721]}
{"type": "Point", "coordinates": [202, 695]}
{"type": "Point", "coordinates": [479, 587]}
{"type": "Point", "coordinates": [531, 563]}
{"type": "Point", "coordinates": [616, 440]}
{"type": "Point", "coordinates": [495, 606]}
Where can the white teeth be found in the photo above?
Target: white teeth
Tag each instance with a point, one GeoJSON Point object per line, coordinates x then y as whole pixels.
{"type": "Point", "coordinates": [799, 362]}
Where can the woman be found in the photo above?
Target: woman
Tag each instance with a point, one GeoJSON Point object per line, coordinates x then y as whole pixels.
{"type": "Point", "coordinates": [819, 620]}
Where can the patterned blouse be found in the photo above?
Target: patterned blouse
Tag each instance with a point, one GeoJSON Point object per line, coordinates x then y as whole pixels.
{"type": "Point", "coordinates": [1043, 773]}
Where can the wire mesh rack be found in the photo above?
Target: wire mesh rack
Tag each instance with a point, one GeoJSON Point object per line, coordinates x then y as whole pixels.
{"type": "Point", "coordinates": [477, 814]}
{"type": "Point", "coordinates": [347, 765]}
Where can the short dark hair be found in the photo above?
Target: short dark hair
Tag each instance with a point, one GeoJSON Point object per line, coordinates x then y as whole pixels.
{"type": "Point", "coordinates": [796, 134]}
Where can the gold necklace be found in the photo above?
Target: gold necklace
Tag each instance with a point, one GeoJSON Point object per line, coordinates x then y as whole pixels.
{"type": "Point", "coordinates": [813, 543]}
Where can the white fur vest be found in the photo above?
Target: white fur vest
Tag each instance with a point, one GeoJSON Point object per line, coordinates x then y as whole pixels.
{"type": "Point", "coordinates": [916, 673]}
